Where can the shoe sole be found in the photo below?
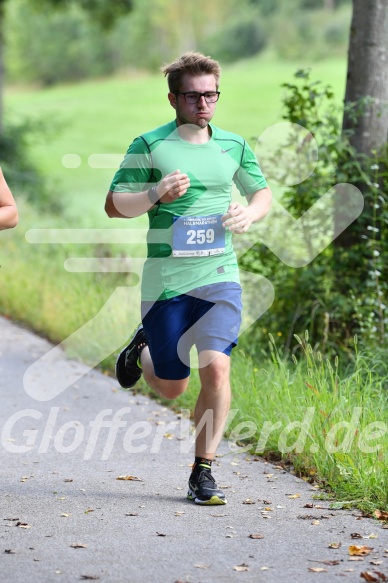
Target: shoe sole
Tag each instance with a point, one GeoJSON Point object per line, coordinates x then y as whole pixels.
{"type": "Point", "coordinates": [213, 501]}
{"type": "Point", "coordinates": [123, 379]}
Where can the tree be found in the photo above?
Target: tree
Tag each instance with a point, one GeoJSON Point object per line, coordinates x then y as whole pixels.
{"type": "Point", "coordinates": [365, 119]}
{"type": "Point", "coordinates": [368, 75]}
{"type": "Point", "coordinates": [102, 11]}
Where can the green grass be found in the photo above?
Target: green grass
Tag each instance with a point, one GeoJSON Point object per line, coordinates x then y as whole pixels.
{"type": "Point", "coordinates": [103, 117]}
{"type": "Point", "coordinates": [330, 425]}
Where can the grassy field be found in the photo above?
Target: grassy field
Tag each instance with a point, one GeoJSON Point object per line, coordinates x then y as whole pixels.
{"type": "Point", "coordinates": [96, 311]}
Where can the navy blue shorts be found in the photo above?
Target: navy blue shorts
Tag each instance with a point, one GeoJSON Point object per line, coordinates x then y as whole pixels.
{"type": "Point", "coordinates": [209, 317]}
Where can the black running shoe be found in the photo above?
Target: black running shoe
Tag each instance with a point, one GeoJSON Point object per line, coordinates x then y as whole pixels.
{"type": "Point", "coordinates": [203, 488]}
{"type": "Point", "coordinates": [128, 370]}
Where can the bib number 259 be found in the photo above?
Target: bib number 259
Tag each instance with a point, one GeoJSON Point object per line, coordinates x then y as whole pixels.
{"type": "Point", "coordinates": [200, 236]}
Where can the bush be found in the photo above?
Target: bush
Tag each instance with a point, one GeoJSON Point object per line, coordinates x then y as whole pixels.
{"type": "Point", "coordinates": [238, 40]}
{"type": "Point", "coordinates": [55, 47]}
{"type": "Point", "coordinates": [19, 170]}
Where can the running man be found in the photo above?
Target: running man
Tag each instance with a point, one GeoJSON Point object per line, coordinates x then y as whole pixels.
{"type": "Point", "coordinates": [181, 174]}
{"type": "Point", "coordinates": [8, 210]}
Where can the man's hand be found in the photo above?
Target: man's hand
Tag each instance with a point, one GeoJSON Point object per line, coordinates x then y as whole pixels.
{"type": "Point", "coordinates": [238, 218]}
{"type": "Point", "coordinates": [173, 186]}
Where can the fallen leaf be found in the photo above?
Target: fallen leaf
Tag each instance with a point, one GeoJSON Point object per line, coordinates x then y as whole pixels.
{"type": "Point", "coordinates": [334, 545]}
{"type": "Point", "coordinates": [293, 496]}
{"type": "Point", "coordinates": [375, 562]}
{"type": "Point", "coordinates": [380, 575]}
{"type": "Point", "coordinates": [179, 513]}
{"type": "Point", "coordinates": [249, 501]}
{"type": "Point", "coordinates": [355, 559]}
{"type": "Point", "coordinates": [64, 515]}
{"type": "Point", "coordinates": [381, 514]}
{"type": "Point", "coordinates": [78, 546]}
{"type": "Point", "coordinates": [132, 478]}
{"type": "Point", "coordinates": [359, 551]}
{"type": "Point", "coordinates": [368, 576]}
{"type": "Point", "coordinates": [256, 536]}
{"type": "Point", "coordinates": [23, 525]}
{"type": "Point", "coordinates": [89, 510]}
{"type": "Point", "coordinates": [161, 534]}
{"type": "Point", "coordinates": [201, 566]}
{"type": "Point", "coordinates": [355, 535]}
{"type": "Point", "coordinates": [10, 551]}
{"type": "Point", "coordinates": [132, 514]}
{"type": "Point", "coordinates": [331, 563]}
{"type": "Point", "coordinates": [11, 519]}
{"type": "Point", "coordinates": [242, 567]}
{"type": "Point", "coordinates": [68, 479]}
{"type": "Point", "coordinates": [317, 570]}
{"type": "Point", "coordinates": [89, 577]}
{"type": "Point", "coordinates": [315, 522]}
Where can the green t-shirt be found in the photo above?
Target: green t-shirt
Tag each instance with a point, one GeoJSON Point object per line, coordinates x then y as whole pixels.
{"type": "Point", "coordinates": [183, 254]}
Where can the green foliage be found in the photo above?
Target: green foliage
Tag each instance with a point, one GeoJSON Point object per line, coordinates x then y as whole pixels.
{"type": "Point", "coordinates": [106, 13]}
{"type": "Point", "coordinates": [20, 170]}
{"type": "Point", "coordinates": [237, 40]}
{"type": "Point", "coordinates": [313, 32]}
{"type": "Point", "coordinates": [342, 291]}
{"type": "Point", "coordinates": [57, 46]}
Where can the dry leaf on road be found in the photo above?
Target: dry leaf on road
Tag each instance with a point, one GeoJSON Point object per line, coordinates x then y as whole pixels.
{"type": "Point", "coordinates": [375, 576]}
{"type": "Point", "coordinates": [359, 550]}
{"type": "Point", "coordinates": [256, 536]}
{"type": "Point", "coordinates": [317, 570]}
{"type": "Point", "coordinates": [132, 478]}
{"type": "Point", "coordinates": [242, 567]}
{"type": "Point", "coordinates": [334, 545]}
{"type": "Point", "coordinates": [201, 566]}
{"type": "Point", "coordinates": [78, 546]}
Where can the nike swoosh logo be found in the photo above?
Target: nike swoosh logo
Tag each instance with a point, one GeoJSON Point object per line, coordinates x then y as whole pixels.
{"type": "Point", "coordinates": [224, 151]}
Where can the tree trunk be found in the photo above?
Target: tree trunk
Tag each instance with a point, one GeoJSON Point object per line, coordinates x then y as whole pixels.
{"type": "Point", "coordinates": [368, 74]}
{"type": "Point", "coordinates": [367, 78]}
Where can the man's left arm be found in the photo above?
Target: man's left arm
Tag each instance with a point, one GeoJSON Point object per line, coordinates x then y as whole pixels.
{"type": "Point", "coordinates": [239, 218]}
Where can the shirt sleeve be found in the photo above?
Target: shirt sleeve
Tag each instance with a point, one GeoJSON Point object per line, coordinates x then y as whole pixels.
{"type": "Point", "coordinates": [249, 177]}
{"type": "Point", "coordinates": [135, 172]}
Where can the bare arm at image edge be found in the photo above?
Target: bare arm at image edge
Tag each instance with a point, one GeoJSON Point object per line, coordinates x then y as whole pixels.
{"type": "Point", "coordinates": [8, 211]}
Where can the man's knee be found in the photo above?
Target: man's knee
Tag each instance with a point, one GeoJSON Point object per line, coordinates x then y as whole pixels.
{"type": "Point", "coordinates": [171, 389]}
{"type": "Point", "coordinates": [214, 368]}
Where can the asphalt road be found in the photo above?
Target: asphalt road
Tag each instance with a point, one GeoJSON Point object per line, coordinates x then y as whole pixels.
{"type": "Point", "coordinates": [64, 515]}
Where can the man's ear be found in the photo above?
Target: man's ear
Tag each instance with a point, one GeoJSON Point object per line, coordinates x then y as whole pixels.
{"type": "Point", "coordinates": [172, 99]}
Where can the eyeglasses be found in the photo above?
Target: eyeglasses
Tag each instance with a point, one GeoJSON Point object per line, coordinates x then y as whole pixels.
{"type": "Point", "coordinates": [194, 97]}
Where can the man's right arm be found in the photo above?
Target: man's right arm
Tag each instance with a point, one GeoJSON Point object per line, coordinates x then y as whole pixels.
{"type": "Point", "coordinates": [133, 204]}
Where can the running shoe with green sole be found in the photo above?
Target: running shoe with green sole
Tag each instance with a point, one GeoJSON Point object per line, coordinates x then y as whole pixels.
{"type": "Point", "coordinates": [128, 370]}
{"type": "Point", "coordinates": [203, 489]}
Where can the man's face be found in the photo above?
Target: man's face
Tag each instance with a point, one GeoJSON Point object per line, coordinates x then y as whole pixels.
{"type": "Point", "coordinates": [199, 113]}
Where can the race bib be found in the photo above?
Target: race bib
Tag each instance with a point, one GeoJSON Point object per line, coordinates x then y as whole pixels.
{"type": "Point", "coordinates": [198, 236]}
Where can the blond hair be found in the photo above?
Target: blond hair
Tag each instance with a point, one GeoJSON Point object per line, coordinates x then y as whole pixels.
{"type": "Point", "coordinates": [192, 63]}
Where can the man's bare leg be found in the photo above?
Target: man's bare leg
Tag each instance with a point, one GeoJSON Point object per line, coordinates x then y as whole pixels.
{"type": "Point", "coordinates": [169, 389]}
{"type": "Point", "coordinates": [213, 402]}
